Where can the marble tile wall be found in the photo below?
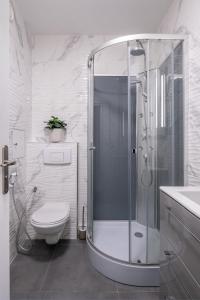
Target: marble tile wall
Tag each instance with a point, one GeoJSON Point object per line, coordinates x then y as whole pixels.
{"type": "Point", "coordinates": [20, 89]}
{"type": "Point", "coordinates": [183, 17]}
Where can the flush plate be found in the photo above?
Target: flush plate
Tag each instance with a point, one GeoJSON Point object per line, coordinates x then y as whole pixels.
{"type": "Point", "coordinates": [57, 156]}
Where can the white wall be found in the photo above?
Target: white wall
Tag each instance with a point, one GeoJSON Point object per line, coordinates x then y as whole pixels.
{"type": "Point", "coordinates": [20, 89]}
{"type": "Point", "coordinates": [183, 17]}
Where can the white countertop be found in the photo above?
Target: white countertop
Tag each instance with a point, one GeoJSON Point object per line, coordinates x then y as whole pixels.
{"type": "Point", "coordinates": [175, 193]}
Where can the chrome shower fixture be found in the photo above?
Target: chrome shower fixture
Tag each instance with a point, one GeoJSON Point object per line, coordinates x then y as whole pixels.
{"type": "Point", "coordinates": [138, 50]}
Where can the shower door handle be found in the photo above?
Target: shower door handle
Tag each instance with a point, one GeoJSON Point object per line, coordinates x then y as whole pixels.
{"type": "Point", "coordinates": [5, 164]}
{"type": "Point", "coordinates": [92, 148]}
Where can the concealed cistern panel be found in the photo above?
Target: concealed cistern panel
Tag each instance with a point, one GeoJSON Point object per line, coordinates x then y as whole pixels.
{"type": "Point", "coordinates": [57, 156]}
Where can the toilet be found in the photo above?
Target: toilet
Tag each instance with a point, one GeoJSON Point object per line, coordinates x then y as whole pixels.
{"type": "Point", "coordinates": [50, 220]}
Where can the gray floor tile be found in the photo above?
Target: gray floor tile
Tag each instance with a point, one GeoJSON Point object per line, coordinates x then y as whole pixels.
{"type": "Point", "coordinates": [64, 272]}
{"type": "Point", "coordinates": [27, 272]}
{"type": "Point", "coordinates": [40, 248]}
{"type": "Point", "coordinates": [73, 272]}
{"type": "Point", "coordinates": [18, 296]}
{"type": "Point", "coordinates": [72, 242]}
{"type": "Point", "coordinates": [133, 289]}
{"type": "Point", "coordinates": [64, 295]}
{"type": "Point", "coordinates": [27, 296]}
{"type": "Point", "coordinates": [108, 296]}
{"type": "Point", "coordinates": [139, 296]}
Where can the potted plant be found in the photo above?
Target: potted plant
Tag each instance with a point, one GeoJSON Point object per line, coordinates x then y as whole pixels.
{"type": "Point", "coordinates": [57, 129]}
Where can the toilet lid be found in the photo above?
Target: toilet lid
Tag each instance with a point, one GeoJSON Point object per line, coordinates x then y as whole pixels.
{"type": "Point", "coordinates": [51, 213]}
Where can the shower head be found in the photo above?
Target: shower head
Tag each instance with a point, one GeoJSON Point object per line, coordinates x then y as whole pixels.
{"type": "Point", "coordinates": [138, 50]}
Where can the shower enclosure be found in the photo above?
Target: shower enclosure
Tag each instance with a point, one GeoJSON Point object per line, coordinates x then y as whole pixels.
{"type": "Point", "coordinates": [135, 145]}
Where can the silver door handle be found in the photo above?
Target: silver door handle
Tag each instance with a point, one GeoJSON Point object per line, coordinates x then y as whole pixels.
{"type": "Point", "coordinates": [92, 148]}
{"type": "Point", "coordinates": [7, 163]}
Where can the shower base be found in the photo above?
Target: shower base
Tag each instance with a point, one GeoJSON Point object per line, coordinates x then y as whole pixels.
{"type": "Point", "coordinates": [109, 252]}
{"type": "Point", "coordinates": [112, 238]}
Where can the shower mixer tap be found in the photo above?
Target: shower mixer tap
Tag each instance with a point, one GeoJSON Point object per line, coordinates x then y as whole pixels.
{"type": "Point", "coordinates": [144, 95]}
{"type": "Point", "coordinates": [144, 137]}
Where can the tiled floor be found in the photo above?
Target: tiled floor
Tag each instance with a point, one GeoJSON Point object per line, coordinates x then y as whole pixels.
{"type": "Point", "coordinates": [63, 272]}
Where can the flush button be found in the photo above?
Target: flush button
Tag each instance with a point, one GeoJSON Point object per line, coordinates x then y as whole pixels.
{"type": "Point", "coordinates": [57, 156]}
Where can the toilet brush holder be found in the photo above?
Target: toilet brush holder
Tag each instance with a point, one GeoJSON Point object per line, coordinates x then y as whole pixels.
{"type": "Point", "coordinates": [82, 228]}
{"type": "Point", "coordinates": [82, 233]}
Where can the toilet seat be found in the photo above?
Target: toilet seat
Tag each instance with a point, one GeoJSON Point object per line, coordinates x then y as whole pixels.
{"type": "Point", "coordinates": [48, 224]}
{"type": "Point", "coordinates": [51, 214]}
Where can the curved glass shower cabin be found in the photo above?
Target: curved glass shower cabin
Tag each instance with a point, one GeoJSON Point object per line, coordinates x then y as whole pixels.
{"type": "Point", "coordinates": [135, 145]}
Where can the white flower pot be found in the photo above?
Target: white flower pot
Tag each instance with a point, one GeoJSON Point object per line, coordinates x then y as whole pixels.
{"type": "Point", "coordinates": [57, 135]}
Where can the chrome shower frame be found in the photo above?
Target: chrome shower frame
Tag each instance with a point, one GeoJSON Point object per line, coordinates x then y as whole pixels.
{"type": "Point", "coordinates": [125, 272]}
{"type": "Point", "coordinates": [135, 37]}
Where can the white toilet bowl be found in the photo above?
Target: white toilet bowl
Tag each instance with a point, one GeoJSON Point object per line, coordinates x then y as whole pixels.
{"type": "Point", "coordinates": [50, 220]}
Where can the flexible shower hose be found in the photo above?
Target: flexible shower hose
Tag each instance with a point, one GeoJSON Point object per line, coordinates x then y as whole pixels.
{"type": "Point", "coordinates": [20, 248]}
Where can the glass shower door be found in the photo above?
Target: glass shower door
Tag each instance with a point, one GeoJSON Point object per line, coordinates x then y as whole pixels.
{"type": "Point", "coordinates": [144, 179]}
{"type": "Point", "coordinates": [165, 130]}
{"type": "Point", "coordinates": [140, 176]}
{"type": "Point", "coordinates": [157, 73]}
{"type": "Point", "coordinates": [108, 161]}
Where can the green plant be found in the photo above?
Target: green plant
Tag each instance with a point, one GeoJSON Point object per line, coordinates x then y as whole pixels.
{"type": "Point", "coordinates": [55, 122]}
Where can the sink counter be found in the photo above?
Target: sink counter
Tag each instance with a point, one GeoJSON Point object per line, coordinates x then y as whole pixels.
{"type": "Point", "coordinates": [180, 242]}
{"type": "Point", "coordinates": [187, 196]}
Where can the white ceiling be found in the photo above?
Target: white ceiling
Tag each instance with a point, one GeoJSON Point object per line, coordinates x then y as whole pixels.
{"type": "Point", "coordinates": [93, 16]}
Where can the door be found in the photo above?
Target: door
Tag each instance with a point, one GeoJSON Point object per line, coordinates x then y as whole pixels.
{"type": "Point", "coordinates": [4, 105]}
